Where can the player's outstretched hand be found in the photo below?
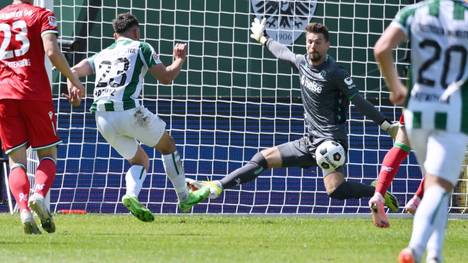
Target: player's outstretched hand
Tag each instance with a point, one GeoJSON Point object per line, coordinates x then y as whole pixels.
{"type": "Point", "coordinates": [180, 51]}
{"type": "Point", "coordinates": [258, 29]}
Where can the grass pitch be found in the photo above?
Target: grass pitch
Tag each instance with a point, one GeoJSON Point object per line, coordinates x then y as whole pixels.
{"type": "Point", "coordinates": [113, 238]}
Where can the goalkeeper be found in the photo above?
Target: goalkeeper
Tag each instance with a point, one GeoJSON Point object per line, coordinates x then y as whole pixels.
{"type": "Point", "coordinates": [326, 90]}
{"type": "Point", "coordinates": [121, 120]}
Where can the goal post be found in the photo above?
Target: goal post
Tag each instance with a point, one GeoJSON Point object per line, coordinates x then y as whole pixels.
{"type": "Point", "coordinates": [232, 99]}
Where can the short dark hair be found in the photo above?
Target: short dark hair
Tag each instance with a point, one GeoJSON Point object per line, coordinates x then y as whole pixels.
{"type": "Point", "coordinates": [124, 22]}
{"type": "Point", "coordinates": [317, 28]}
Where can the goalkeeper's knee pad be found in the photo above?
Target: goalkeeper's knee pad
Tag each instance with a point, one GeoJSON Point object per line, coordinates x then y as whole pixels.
{"type": "Point", "coordinates": [259, 160]}
{"type": "Point", "coordinates": [339, 192]}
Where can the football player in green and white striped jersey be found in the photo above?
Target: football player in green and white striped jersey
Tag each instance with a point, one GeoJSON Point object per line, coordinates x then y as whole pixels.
{"type": "Point", "coordinates": [123, 121]}
{"type": "Point", "coordinates": [436, 113]}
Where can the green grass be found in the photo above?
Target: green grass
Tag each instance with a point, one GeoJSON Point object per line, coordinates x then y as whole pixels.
{"type": "Point", "coordinates": [106, 238]}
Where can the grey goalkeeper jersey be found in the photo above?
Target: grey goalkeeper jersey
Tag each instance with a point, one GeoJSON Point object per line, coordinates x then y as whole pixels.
{"type": "Point", "coordinates": [326, 90]}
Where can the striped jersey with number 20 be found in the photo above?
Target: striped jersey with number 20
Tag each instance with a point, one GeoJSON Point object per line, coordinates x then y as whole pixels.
{"type": "Point", "coordinates": [438, 33]}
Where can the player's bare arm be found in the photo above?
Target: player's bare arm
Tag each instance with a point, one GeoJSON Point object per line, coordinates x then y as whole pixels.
{"type": "Point", "coordinates": [52, 51]}
{"type": "Point", "coordinates": [167, 74]}
{"type": "Point", "coordinates": [82, 69]}
{"type": "Point", "coordinates": [57, 59]}
{"type": "Point", "coordinates": [391, 37]}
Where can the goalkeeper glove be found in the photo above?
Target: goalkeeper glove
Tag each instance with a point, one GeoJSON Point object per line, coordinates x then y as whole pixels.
{"type": "Point", "coordinates": [390, 128]}
{"type": "Point", "coordinates": [257, 28]}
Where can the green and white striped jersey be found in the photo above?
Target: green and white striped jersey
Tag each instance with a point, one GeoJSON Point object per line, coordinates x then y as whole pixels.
{"type": "Point", "coordinates": [438, 33]}
{"type": "Point", "coordinates": [120, 71]}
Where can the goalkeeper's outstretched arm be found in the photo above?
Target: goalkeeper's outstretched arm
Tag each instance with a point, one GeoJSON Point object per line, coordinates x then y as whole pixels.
{"type": "Point", "coordinates": [369, 110]}
{"type": "Point", "coordinates": [277, 49]}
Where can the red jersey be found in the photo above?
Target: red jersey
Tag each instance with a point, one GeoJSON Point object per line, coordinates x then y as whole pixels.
{"type": "Point", "coordinates": [22, 71]}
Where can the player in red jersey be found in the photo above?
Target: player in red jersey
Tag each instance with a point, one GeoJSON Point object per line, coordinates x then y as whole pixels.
{"type": "Point", "coordinates": [27, 117]}
{"type": "Point", "coordinates": [390, 167]}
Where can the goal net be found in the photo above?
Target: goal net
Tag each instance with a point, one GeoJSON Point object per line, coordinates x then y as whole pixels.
{"type": "Point", "coordinates": [232, 99]}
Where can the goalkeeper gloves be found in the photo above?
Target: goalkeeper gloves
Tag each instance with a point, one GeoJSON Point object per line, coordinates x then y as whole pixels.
{"type": "Point", "coordinates": [390, 128]}
{"type": "Point", "coordinates": [257, 28]}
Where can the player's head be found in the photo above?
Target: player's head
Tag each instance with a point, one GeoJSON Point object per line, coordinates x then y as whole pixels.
{"type": "Point", "coordinates": [126, 25]}
{"type": "Point", "coordinates": [317, 42]}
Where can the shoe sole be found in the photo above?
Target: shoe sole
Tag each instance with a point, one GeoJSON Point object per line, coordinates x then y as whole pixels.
{"type": "Point", "coordinates": [137, 211]}
{"type": "Point", "coordinates": [31, 229]}
{"type": "Point", "coordinates": [379, 219]}
{"type": "Point", "coordinates": [47, 222]}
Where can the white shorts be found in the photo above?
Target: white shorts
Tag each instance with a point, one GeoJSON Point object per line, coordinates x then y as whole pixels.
{"type": "Point", "coordinates": [122, 129]}
{"type": "Point", "coordinates": [441, 153]}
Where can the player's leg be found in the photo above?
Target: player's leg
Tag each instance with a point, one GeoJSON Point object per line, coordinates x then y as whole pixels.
{"type": "Point", "coordinates": [19, 187]}
{"type": "Point", "coordinates": [14, 137]}
{"type": "Point", "coordinates": [434, 244]}
{"type": "Point", "coordinates": [149, 129]}
{"type": "Point", "coordinates": [414, 202]}
{"type": "Point", "coordinates": [392, 161]}
{"type": "Point", "coordinates": [44, 178]}
{"type": "Point", "coordinates": [338, 188]}
{"type": "Point", "coordinates": [261, 161]}
{"type": "Point", "coordinates": [41, 119]}
{"type": "Point", "coordinates": [248, 172]}
{"type": "Point", "coordinates": [136, 174]}
{"type": "Point", "coordinates": [134, 179]}
{"type": "Point", "coordinates": [443, 157]}
{"type": "Point", "coordinates": [390, 167]}
{"type": "Point", "coordinates": [290, 154]}
{"type": "Point", "coordinates": [176, 174]}
{"type": "Point", "coordinates": [334, 181]}
{"type": "Point", "coordinates": [430, 219]}
{"type": "Point", "coordinates": [110, 125]}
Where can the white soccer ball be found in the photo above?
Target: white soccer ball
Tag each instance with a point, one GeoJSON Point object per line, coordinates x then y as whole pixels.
{"type": "Point", "coordinates": [330, 155]}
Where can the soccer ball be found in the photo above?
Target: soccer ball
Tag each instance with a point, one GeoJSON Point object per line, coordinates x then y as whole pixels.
{"type": "Point", "coordinates": [330, 155]}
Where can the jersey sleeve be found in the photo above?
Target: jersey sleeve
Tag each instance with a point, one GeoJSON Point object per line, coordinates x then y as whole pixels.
{"type": "Point", "coordinates": [148, 55]}
{"type": "Point", "coordinates": [346, 84]}
{"type": "Point", "coordinates": [282, 52]}
{"type": "Point", "coordinates": [91, 62]}
{"type": "Point", "coordinates": [403, 19]}
{"type": "Point", "coordinates": [48, 22]}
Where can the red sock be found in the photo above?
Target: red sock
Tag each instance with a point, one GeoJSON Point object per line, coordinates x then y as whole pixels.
{"type": "Point", "coordinates": [390, 167]}
{"type": "Point", "coordinates": [19, 186]}
{"type": "Point", "coordinates": [45, 175]}
{"type": "Point", "coordinates": [420, 192]}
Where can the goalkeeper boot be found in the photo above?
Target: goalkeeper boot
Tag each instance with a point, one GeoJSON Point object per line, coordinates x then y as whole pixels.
{"type": "Point", "coordinates": [137, 209]}
{"type": "Point", "coordinates": [406, 256]}
{"type": "Point", "coordinates": [215, 186]}
{"type": "Point", "coordinates": [193, 198]}
{"type": "Point", "coordinates": [37, 204]}
{"type": "Point", "coordinates": [390, 200]}
{"type": "Point", "coordinates": [412, 205]}
{"type": "Point", "coordinates": [376, 204]}
{"type": "Point", "coordinates": [29, 225]}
